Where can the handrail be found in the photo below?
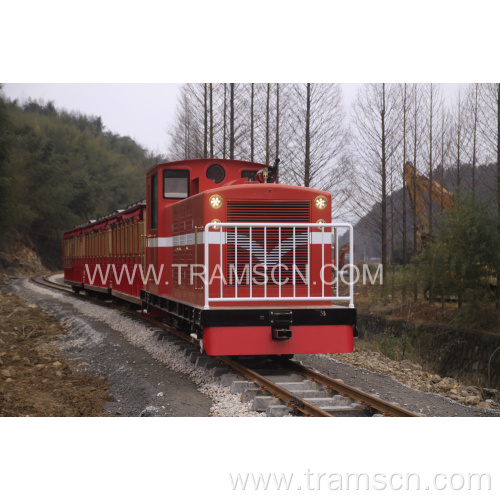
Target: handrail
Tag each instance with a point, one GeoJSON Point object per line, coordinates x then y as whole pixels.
{"type": "Point", "coordinates": [325, 228]}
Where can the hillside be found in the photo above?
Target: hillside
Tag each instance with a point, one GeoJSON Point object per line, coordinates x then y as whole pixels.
{"type": "Point", "coordinates": [367, 233]}
{"type": "Point", "coordinates": [58, 169]}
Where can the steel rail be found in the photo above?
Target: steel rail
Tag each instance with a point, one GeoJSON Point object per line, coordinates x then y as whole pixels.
{"type": "Point", "coordinates": [53, 284]}
{"type": "Point", "coordinates": [292, 401]}
{"type": "Point", "coordinates": [42, 280]}
{"type": "Point", "coordinates": [345, 390]}
{"type": "Point", "coordinates": [67, 289]}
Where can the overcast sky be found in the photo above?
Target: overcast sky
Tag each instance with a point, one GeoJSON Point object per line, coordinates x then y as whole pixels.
{"type": "Point", "coordinates": [142, 111]}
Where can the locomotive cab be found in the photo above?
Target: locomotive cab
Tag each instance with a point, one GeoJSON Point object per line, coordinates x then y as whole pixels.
{"type": "Point", "coordinates": [228, 249]}
{"type": "Point", "coordinates": [167, 185]}
{"type": "Point", "coordinates": [187, 178]}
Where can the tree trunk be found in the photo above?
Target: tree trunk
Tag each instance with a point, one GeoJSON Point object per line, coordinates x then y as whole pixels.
{"type": "Point", "coordinates": [404, 194]}
{"type": "Point", "coordinates": [277, 120]}
{"type": "Point", "coordinates": [224, 130]}
{"type": "Point", "coordinates": [267, 123]}
{"type": "Point", "coordinates": [307, 159]}
{"type": "Point", "coordinates": [441, 180]}
{"type": "Point", "coordinates": [459, 130]}
{"type": "Point", "coordinates": [231, 125]}
{"type": "Point", "coordinates": [430, 155]}
{"type": "Point", "coordinates": [414, 211]}
{"type": "Point", "coordinates": [498, 188]}
{"type": "Point", "coordinates": [474, 141]}
{"type": "Point", "coordinates": [498, 158]}
{"type": "Point", "coordinates": [393, 275]}
{"type": "Point", "coordinates": [384, 193]}
{"type": "Point", "coordinates": [211, 124]}
{"type": "Point", "coordinates": [251, 123]}
{"type": "Point", "coordinates": [205, 125]}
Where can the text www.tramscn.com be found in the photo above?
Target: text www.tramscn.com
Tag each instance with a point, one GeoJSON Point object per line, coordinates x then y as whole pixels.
{"type": "Point", "coordinates": [316, 481]}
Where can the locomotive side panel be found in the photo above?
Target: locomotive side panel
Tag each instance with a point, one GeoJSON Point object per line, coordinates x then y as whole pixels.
{"type": "Point", "coordinates": [187, 249]}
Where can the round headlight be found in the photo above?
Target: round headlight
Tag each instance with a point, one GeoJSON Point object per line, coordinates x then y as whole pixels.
{"type": "Point", "coordinates": [320, 202]}
{"type": "Point", "coordinates": [320, 221]}
{"type": "Point", "coordinates": [216, 228]}
{"type": "Point", "coordinates": [215, 201]}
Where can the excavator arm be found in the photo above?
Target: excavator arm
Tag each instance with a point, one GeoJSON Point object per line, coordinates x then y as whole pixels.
{"type": "Point", "coordinates": [417, 185]}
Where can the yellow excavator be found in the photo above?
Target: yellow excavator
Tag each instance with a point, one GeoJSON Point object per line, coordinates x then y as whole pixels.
{"type": "Point", "coordinates": [418, 184]}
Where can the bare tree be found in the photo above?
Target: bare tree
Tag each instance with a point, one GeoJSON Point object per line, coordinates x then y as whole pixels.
{"type": "Point", "coordinates": [472, 147]}
{"type": "Point", "coordinates": [185, 134]}
{"type": "Point", "coordinates": [317, 136]}
{"type": "Point", "coordinates": [205, 123]}
{"type": "Point", "coordinates": [376, 118]}
{"type": "Point", "coordinates": [406, 104]}
{"type": "Point", "coordinates": [445, 145]}
{"type": "Point", "coordinates": [417, 133]}
{"type": "Point", "coordinates": [489, 131]}
{"type": "Point", "coordinates": [268, 97]}
{"type": "Point", "coordinates": [277, 120]}
{"type": "Point", "coordinates": [231, 124]}
{"type": "Point", "coordinates": [206, 111]}
{"type": "Point", "coordinates": [434, 103]}
{"type": "Point", "coordinates": [211, 123]}
{"type": "Point", "coordinates": [489, 128]}
{"type": "Point", "coordinates": [252, 121]}
{"type": "Point", "coordinates": [459, 137]}
{"type": "Point", "coordinates": [224, 131]}
{"type": "Point", "coordinates": [307, 155]}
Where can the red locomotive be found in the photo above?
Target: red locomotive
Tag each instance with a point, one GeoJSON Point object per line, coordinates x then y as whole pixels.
{"type": "Point", "coordinates": [218, 247]}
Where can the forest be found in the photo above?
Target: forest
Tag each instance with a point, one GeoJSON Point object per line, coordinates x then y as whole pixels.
{"type": "Point", "coordinates": [58, 169]}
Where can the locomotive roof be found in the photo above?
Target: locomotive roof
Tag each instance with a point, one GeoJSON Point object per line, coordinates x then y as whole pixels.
{"type": "Point", "coordinates": [200, 162]}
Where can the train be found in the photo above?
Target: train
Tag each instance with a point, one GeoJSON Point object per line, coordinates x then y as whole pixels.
{"type": "Point", "coordinates": [223, 251]}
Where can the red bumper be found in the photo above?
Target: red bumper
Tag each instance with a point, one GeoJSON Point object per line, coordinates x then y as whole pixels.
{"type": "Point", "coordinates": [257, 340]}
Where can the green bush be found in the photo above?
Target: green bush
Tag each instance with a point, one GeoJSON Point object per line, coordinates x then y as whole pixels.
{"type": "Point", "coordinates": [463, 257]}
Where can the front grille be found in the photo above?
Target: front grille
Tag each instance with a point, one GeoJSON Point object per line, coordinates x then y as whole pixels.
{"type": "Point", "coordinates": [263, 247]}
{"type": "Point", "coordinates": [268, 211]}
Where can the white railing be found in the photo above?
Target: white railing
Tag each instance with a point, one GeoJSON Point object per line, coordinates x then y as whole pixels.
{"type": "Point", "coordinates": [215, 235]}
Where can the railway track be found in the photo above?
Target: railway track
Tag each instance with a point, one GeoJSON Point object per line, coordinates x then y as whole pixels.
{"type": "Point", "coordinates": [277, 387]}
{"type": "Point", "coordinates": [44, 280]}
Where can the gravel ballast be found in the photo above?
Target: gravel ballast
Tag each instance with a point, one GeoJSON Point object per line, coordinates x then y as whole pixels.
{"type": "Point", "coordinates": [389, 389]}
{"type": "Point", "coordinates": [149, 377]}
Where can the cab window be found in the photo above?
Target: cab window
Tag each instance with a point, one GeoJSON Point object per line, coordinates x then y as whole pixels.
{"type": "Point", "coordinates": [249, 174]}
{"type": "Point", "coordinates": [175, 184]}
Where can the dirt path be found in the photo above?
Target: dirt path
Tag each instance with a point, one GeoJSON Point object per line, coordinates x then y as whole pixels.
{"type": "Point", "coordinates": [138, 384]}
{"type": "Point", "coordinates": [35, 380]}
